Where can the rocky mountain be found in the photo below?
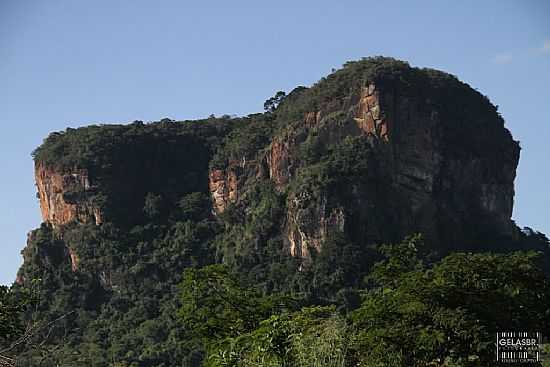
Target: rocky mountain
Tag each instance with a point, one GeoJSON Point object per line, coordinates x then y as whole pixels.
{"type": "Point", "coordinates": [372, 153]}
{"type": "Point", "coordinates": [438, 160]}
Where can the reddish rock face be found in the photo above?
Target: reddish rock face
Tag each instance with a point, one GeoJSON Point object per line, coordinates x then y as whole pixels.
{"type": "Point", "coordinates": [53, 187]}
{"type": "Point", "coordinates": [431, 175]}
{"type": "Point", "coordinates": [278, 161]}
{"type": "Point", "coordinates": [223, 188]}
{"type": "Point", "coordinates": [368, 114]}
{"type": "Point", "coordinates": [74, 259]}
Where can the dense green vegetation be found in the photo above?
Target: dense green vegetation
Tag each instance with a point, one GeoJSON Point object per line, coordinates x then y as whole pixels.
{"type": "Point", "coordinates": [412, 314]}
{"type": "Point", "coordinates": [409, 314]}
{"type": "Point", "coordinates": [100, 146]}
{"type": "Point", "coordinates": [125, 288]}
{"type": "Point", "coordinates": [164, 281]}
{"type": "Point", "coordinates": [11, 312]}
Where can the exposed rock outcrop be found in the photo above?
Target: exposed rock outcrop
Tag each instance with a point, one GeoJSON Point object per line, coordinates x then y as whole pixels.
{"type": "Point", "coordinates": [278, 161]}
{"type": "Point", "coordinates": [440, 179]}
{"type": "Point", "coordinates": [369, 114]}
{"type": "Point", "coordinates": [227, 185]}
{"type": "Point", "coordinates": [63, 196]}
{"type": "Point", "coordinates": [74, 259]}
{"type": "Point", "coordinates": [224, 187]}
{"type": "Point", "coordinates": [309, 225]}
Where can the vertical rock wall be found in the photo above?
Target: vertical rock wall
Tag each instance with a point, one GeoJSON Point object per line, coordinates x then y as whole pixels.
{"type": "Point", "coordinates": [62, 196]}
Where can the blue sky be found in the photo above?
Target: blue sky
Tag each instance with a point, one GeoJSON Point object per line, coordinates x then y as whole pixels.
{"type": "Point", "coordinates": [73, 63]}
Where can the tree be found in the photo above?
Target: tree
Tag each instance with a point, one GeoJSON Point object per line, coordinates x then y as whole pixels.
{"type": "Point", "coordinates": [154, 205]}
{"type": "Point", "coordinates": [11, 312]}
{"type": "Point", "coordinates": [16, 336]}
{"type": "Point", "coordinates": [219, 310]}
{"type": "Point", "coordinates": [272, 103]}
{"type": "Point", "coordinates": [216, 305]}
{"type": "Point", "coordinates": [447, 314]}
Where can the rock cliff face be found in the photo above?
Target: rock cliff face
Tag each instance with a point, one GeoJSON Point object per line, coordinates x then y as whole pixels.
{"type": "Point", "coordinates": [308, 226]}
{"type": "Point", "coordinates": [442, 170]}
{"type": "Point", "coordinates": [225, 185]}
{"type": "Point", "coordinates": [441, 182]}
{"type": "Point", "coordinates": [223, 188]}
{"type": "Point", "coordinates": [62, 196]}
{"type": "Point", "coordinates": [105, 173]}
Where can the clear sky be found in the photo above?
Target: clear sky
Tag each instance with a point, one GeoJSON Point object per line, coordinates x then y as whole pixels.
{"type": "Point", "coordinates": [73, 63]}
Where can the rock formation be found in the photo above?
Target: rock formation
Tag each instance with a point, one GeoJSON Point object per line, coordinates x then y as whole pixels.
{"type": "Point", "coordinates": [62, 196]}
{"type": "Point", "coordinates": [441, 177]}
{"type": "Point", "coordinates": [292, 200]}
{"type": "Point", "coordinates": [445, 164]}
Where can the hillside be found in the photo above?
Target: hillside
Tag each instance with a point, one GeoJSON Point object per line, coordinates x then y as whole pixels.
{"type": "Point", "coordinates": [293, 201]}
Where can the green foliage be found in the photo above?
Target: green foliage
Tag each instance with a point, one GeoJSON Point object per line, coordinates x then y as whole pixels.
{"type": "Point", "coordinates": [443, 314]}
{"type": "Point", "coordinates": [194, 205]}
{"type": "Point", "coordinates": [153, 205]}
{"type": "Point", "coordinates": [272, 103]}
{"type": "Point", "coordinates": [215, 305]}
{"type": "Point", "coordinates": [400, 258]}
{"type": "Point", "coordinates": [310, 337]}
{"type": "Point", "coordinates": [124, 287]}
{"type": "Point", "coordinates": [449, 313]}
{"type": "Point", "coordinates": [12, 306]}
{"type": "Point", "coordinates": [319, 339]}
{"type": "Point", "coordinates": [338, 269]}
{"type": "Point", "coordinates": [99, 146]}
{"type": "Point", "coordinates": [251, 241]}
{"type": "Point", "coordinates": [249, 135]}
{"type": "Point", "coordinates": [342, 165]}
